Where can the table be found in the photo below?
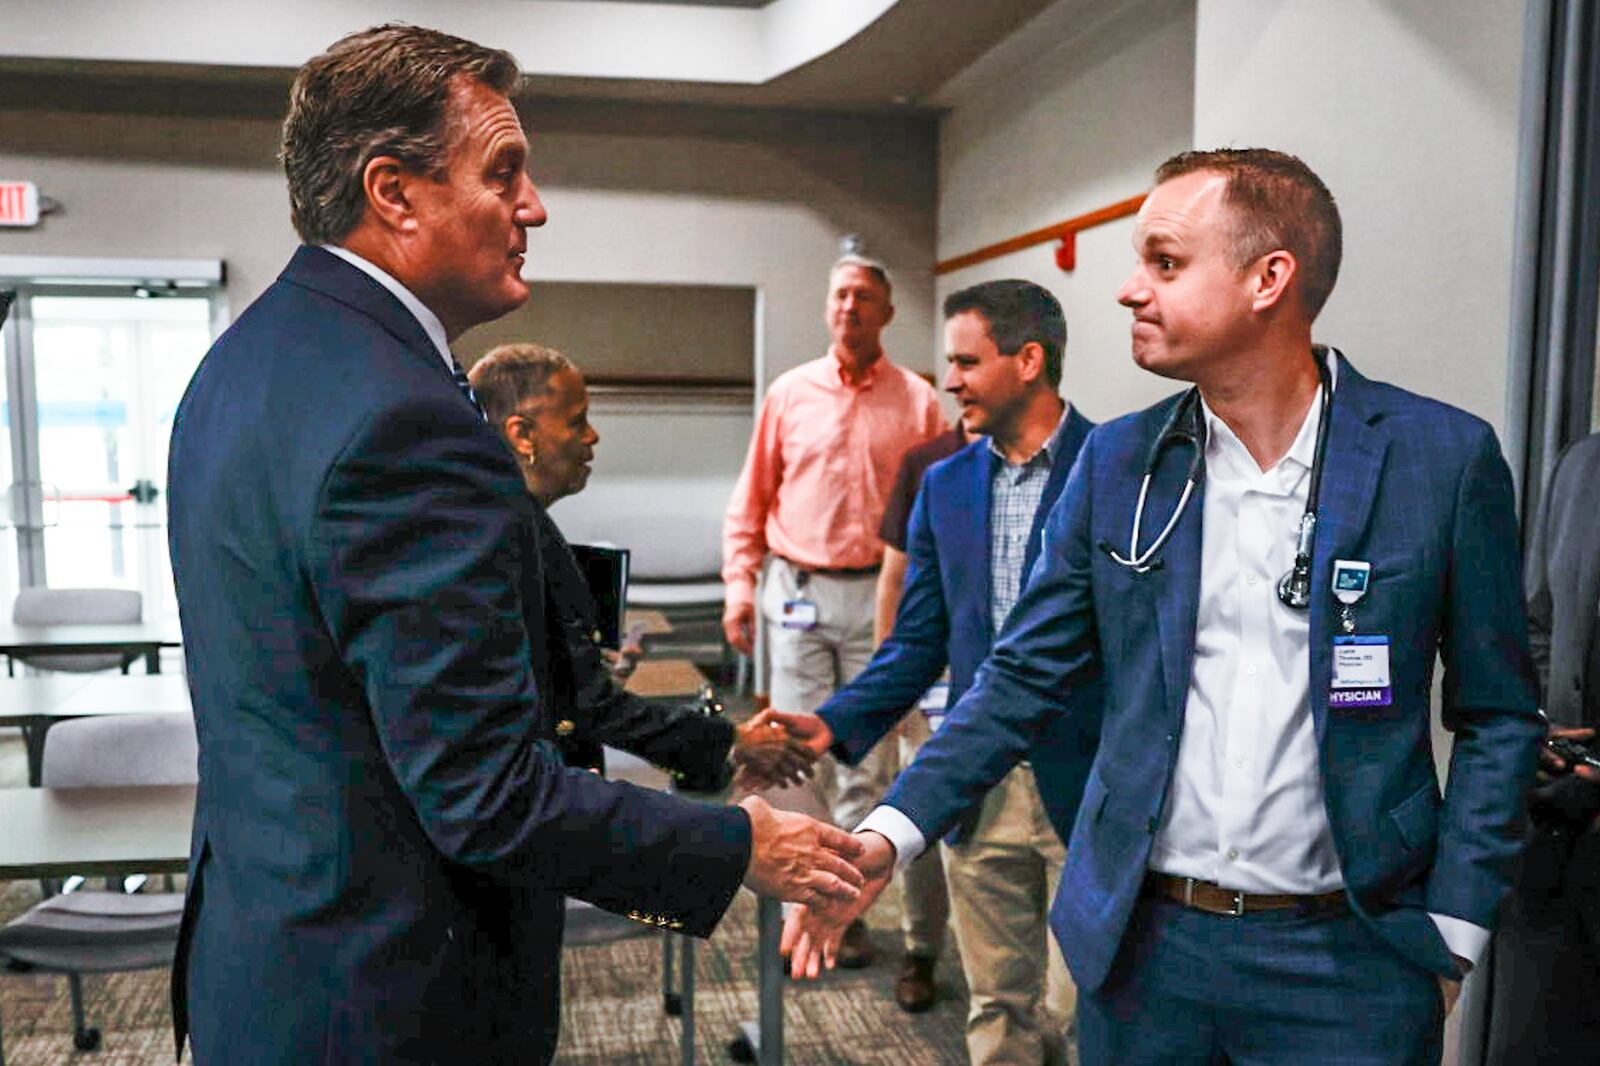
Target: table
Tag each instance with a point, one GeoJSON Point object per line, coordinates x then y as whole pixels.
{"type": "Point", "coordinates": [56, 832]}
{"type": "Point", "coordinates": [666, 679]}
{"type": "Point", "coordinates": [37, 703]}
{"type": "Point", "coordinates": [144, 638]}
{"type": "Point", "coordinates": [648, 621]}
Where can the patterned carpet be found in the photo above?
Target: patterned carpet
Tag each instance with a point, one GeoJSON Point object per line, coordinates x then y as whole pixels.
{"type": "Point", "coordinates": [611, 1012]}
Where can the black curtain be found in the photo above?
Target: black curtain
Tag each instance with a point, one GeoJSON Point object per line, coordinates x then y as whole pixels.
{"type": "Point", "coordinates": [1555, 296]}
{"type": "Point", "coordinates": [1556, 253]}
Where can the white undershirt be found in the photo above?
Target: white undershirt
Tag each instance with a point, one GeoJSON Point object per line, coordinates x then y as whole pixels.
{"type": "Point", "coordinates": [425, 318]}
{"type": "Point", "coordinates": [1246, 809]}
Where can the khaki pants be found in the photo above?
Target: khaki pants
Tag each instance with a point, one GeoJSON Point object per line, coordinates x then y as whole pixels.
{"type": "Point", "coordinates": [1002, 879]}
{"type": "Point", "coordinates": [927, 903]}
{"type": "Point", "coordinates": [808, 665]}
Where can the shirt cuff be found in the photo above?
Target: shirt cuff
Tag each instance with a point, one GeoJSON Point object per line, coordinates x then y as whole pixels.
{"type": "Point", "coordinates": [1460, 936]}
{"type": "Point", "coordinates": [902, 833]}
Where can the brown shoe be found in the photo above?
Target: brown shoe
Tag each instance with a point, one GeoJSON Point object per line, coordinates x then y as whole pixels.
{"type": "Point", "coordinates": [855, 947]}
{"type": "Point", "coordinates": [914, 989]}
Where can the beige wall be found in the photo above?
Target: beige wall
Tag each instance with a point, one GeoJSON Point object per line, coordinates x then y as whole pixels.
{"type": "Point", "coordinates": [651, 194]}
{"type": "Point", "coordinates": [1408, 109]}
{"type": "Point", "coordinates": [1071, 114]}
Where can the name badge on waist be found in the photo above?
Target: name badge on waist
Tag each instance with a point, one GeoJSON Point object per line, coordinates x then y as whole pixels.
{"type": "Point", "coordinates": [799, 614]}
{"type": "Point", "coordinates": [1361, 672]}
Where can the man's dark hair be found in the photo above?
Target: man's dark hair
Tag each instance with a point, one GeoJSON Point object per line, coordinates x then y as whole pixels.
{"type": "Point", "coordinates": [1017, 312]}
{"type": "Point", "coordinates": [383, 91]}
{"type": "Point", "coordinates": [1277, 202]}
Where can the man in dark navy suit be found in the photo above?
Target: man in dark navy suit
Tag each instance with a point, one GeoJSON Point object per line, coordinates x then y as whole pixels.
{"type": "Point", "coordinates": [974, 538]}
{"type": "Point", "coordinates": [384, 831]}
{"type": "Point", "coordinates": [1261, 869]}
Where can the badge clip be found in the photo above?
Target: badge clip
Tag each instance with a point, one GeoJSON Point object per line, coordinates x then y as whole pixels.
{"type": "Point", "coordinates": [1350, 580]}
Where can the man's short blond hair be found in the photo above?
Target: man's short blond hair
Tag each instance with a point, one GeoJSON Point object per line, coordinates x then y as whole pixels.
{"type": "Point", "coordinates": [512, 376]}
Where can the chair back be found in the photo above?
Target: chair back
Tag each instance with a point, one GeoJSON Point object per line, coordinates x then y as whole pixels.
{"type": "Point", "coordinates": [122, 749]}
{"type": "Point", "coordinates": [61, 607]}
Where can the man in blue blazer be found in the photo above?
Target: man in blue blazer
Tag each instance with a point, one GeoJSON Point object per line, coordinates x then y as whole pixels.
{"type": "Point", "coordinates": [974, 538]}
{"type": "Point", "coordinates": [1261, 868]}
{"type": "Point", "coordinates": [384, 831]}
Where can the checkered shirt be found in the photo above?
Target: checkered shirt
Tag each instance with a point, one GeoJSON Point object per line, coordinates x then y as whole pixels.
{"type": "Point", "coordinates": [1014, 495]}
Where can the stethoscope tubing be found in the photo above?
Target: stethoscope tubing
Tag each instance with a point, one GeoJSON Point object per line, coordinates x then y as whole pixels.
{"type": "Point", "coordinates": [1195, 436]}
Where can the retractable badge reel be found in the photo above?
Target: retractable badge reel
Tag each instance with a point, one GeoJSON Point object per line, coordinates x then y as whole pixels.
{"type": "Point", "coordinates": [1350, 579]}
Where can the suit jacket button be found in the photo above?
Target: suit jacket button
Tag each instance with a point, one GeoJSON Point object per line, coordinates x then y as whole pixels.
{"type": "Point", "coordinates": [597, 636]}
{"type": "Point", "coordinates": [565, 727]}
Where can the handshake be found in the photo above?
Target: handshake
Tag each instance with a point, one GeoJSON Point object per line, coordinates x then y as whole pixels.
{"type": "Point", "coordinates": [794, 857]}
{"type": "Point", "coordinates": [774, 749]}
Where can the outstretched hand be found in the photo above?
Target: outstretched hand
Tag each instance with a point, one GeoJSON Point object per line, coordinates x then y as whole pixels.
{"type": "Point", "coordinates": [766, 755]}
{"type": "Point", "coordinates": [799, 859]}
{"type": "Point", "coordinates": [807, 730]}
{"type": "Point", "coordinates": [811, 933]}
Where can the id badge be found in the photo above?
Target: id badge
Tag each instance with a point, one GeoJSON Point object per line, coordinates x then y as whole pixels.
{"type": "Point", "coordinates": [934, 703]}
{"type": "Point", "coordinates": [799, 614]}
{"type": "Point", "coordinates": [1361, 672]}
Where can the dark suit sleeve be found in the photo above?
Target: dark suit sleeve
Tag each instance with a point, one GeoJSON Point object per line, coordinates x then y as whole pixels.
{"type": "Point", "coordinates": [916, 653]}
{"type": "Point", "coordinates": [1537, 582]}
{"type": "Point", "coordinates": [692, 746]}
{"type": "Point", "coordinates": [415, 556]}
{"type": "Point", "coordinates": [1045, 662]}
{"type": "Point", "coordinates": [1489, 698]}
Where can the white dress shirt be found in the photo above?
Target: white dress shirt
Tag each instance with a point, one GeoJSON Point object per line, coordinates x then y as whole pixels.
{"type": "Point", "coordinates": [425, 318]}
{"type": "Point", "coordinates": [1246, 806]}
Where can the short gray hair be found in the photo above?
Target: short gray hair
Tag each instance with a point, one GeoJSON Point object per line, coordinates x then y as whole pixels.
{"type": "Point", "coordinates": [870, 265]}
{"type": "Point", "coordinates": [512, 376]}
{"type": "Point", "coordinates": [383, 91]}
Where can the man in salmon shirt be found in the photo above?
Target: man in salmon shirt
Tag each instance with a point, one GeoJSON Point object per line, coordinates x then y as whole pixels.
{"type": "Point", "coordinates": [822, 461]}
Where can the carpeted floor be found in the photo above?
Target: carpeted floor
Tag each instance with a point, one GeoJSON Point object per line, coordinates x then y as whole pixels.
{"type": "Point", "coordinates": [611, 1014]}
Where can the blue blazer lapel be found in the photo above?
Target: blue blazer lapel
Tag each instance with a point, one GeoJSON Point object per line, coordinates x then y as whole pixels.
{"type": "Point", "coordinates": [1071, 442]}
{"type": "Point", "coordinates": [1178, 604]}
{"type": "Point", "coordinates": [1356, 450]}
{"type": "Point", "coordinates": [983, 480]}
{"type": "Point", "coordinates": [1176, 585]}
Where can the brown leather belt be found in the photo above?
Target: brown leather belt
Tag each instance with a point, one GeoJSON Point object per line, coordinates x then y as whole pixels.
{"type": "Point", "coordinates": [1214, 899]}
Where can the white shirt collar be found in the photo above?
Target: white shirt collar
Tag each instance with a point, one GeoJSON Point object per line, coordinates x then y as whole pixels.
{"type": "Point", "coordinates": [425, 318]}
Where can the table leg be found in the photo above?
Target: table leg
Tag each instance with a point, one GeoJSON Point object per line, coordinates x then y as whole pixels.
{"type": "Point", "coordinates": [686, 1043]}
{"type": "Point", "coordinates": [761, 1041]}
{"type": "Point", "coordinates": [152, 661]}
{"type": "Point", "coordinates": [33, 744]}
{"type": "Point", "coordinates": [769, 922]}
{"type": "Point", "coordinates": [671, 1002]}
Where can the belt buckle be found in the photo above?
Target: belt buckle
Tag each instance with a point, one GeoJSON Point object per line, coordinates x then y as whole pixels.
{"type": "Point", "coordinates": [1237, 910]}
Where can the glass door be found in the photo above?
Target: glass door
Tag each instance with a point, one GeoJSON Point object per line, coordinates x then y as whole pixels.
{"type": "Point", "coordinates": [95, 380]}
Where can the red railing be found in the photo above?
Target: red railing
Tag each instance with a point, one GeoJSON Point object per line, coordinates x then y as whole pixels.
{"type": "Point", "coordinates": [1064, 232]}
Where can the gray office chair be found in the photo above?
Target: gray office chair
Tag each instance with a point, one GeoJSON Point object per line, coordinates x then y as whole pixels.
{"type": "Point", "coordinates": [60, 607]}
{"type": "Point", "coordinates": [104, 931]}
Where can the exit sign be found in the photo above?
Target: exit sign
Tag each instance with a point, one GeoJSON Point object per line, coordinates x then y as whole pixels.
{"type": "Point", "coordinates": [19, 203]}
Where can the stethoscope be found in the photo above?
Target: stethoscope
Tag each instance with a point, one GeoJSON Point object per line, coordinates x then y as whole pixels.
{"type": "Point", "coordinates": [1187, 427]}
